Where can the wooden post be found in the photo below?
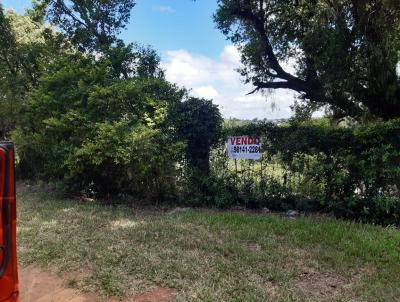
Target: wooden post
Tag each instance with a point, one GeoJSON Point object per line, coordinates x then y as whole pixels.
{"type": "Point", "coordinates": [236, 170]}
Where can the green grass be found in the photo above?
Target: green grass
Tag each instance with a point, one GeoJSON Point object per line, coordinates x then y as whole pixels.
{"type": "Point", "coordinates": [208, 255]}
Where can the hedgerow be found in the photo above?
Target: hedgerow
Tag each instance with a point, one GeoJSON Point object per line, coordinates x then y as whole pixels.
{"type": "Point", "coordinates": [352, 172]}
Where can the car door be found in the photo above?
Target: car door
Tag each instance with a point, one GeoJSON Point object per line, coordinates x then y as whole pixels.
{"type": "Point", "coordinates": [8, 259]}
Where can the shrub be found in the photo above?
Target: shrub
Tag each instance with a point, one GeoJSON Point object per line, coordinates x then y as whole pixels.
{"type": "Point", "coordinates": [91, 129]}
{"type": "Point", "coordinates": [120, 158]}
{"type": "Point", "coordinates": [352, 172]}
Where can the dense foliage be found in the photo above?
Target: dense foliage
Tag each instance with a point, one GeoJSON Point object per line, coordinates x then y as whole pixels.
{"type": "Point", "coordinates": [87, 126]}
{"type": "Point", "coordinates": [353, 172]}
{"type": "Point", "coordinates": [89, 24]}
{"type": "Point", "coordinates": [26, 49]}
{"type": "Point", "coordinates": [199, 123]}
{"type": "Point", "coordinates": [106, 123]}
{"type": "Point", "coordinates": [98, 116]}
{"type": "Point", "coordinates": [343, 53]}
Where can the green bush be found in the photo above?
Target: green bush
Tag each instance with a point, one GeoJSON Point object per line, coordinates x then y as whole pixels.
{"type": "Point", "coordinates": [100, 133]}
{"type": "Point", "coordinates": [353, 172]}
{"type": "Point", "coordinates": [120, 158]}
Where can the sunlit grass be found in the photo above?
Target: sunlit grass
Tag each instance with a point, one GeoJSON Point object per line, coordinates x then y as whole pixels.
{"type": "Point", "coordinates": [208, 255]}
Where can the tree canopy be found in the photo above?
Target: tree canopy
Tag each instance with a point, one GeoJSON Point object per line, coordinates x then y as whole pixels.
{"type": "Point", "coordinates": [27, 47]}
{"type": "Point", "coordinates": [94, 113]}
{"type": "Point", "coordinates": [345, 52]}
{"type": "Point", "coordinates": [89, 24]}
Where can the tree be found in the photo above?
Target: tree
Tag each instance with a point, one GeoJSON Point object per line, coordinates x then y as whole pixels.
{"type": "Point", "coordinates": [346, 51]}
{"type": "Point", "coordinates": [133, 60]}
{"type": "Point", "coordinates": [7, 43]}
{"type": "Point", "coordinates": [198, 122]}
{"type": "Point", "coordinates": [27, 47]}
{"type": "Point", "coordinates": [88, 24]}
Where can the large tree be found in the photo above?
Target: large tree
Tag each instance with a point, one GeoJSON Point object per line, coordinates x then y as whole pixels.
{"type": "Point", "coordinates": [88, 24]}
{"type": "Point", "coordinates": [27, 47]}
{"type": "Point", "coordinates": [345, 52]}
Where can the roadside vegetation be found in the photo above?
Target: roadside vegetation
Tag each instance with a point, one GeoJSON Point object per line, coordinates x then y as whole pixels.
{"type": "Point", "coordinates": [207, 255]}
{"type": "Point", "coordinates": [95, 118]}
{"type": "Point", "coordinates": [350, 171]}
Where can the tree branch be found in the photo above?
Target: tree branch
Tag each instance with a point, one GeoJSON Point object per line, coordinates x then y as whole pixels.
{"type": "Point", "coordinates": [274, 85]}
{"type": "Point", "coordinates": [292, 82]}
{"type": "Point", "coordinates": [258, 24]}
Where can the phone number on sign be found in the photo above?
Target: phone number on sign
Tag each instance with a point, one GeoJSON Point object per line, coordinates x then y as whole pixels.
{"type": "Point", "coordinates": [246, 149]}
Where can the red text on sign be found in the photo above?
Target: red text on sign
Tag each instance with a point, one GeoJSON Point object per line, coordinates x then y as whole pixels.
{"type": "Point", "coordinates": [245, 140]}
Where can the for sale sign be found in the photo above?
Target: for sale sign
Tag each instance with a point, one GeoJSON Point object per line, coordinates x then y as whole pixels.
{"type": "Point", "coordinates": [244, 147]}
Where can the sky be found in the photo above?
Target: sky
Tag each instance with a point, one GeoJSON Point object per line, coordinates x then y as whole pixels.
{"type": "Point", "coordinates": [196, 55]}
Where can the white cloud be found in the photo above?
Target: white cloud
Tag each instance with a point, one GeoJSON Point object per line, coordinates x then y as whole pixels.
{"type": "Point", "coordinates": [219, 80]}
{"type": "Point", "coordinates": [164, 9]}
{"type": "Point", "coordinates": [207, 92]}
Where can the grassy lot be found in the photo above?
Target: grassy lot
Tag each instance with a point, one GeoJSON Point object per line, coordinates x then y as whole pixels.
{"type": "Point", "coordinates": [208, 255]}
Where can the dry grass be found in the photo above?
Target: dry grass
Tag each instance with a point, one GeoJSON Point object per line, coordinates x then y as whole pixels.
{"type": "Point", "coordinates": [207, 255]}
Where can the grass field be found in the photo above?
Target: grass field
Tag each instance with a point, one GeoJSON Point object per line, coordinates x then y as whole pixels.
{"type": "Point", "coordinates": [207, 255]}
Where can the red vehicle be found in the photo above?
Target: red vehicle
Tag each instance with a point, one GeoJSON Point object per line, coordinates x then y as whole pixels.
{"type": "Point", "coordinates": [8, 250]}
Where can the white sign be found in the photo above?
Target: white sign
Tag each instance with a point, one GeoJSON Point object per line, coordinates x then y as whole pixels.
{"type": "Point", "coordinates": [244, 147]}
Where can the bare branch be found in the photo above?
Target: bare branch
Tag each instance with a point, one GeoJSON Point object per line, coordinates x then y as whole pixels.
{"type": "Point", "coordinates": [253, 91]}
{"type": "Point", "coordinates": [278, 85]}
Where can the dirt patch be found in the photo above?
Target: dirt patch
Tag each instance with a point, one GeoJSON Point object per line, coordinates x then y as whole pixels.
{"type": "Point", "coordinates": [319, 285]}
{"type": "Point", "coordinates": [38, 285]}
{"type": "Point", "coordinates": [251, 245]}
{"type": "Point", "coordinates": [159, 294]}
{"type": "Point", "coordinates": [271, 289]}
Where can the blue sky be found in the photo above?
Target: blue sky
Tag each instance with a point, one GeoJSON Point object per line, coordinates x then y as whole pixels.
{"type": "Point", "coordinates": [195, 55]}
{"type": "Point", "coordinates": [176, 24]}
